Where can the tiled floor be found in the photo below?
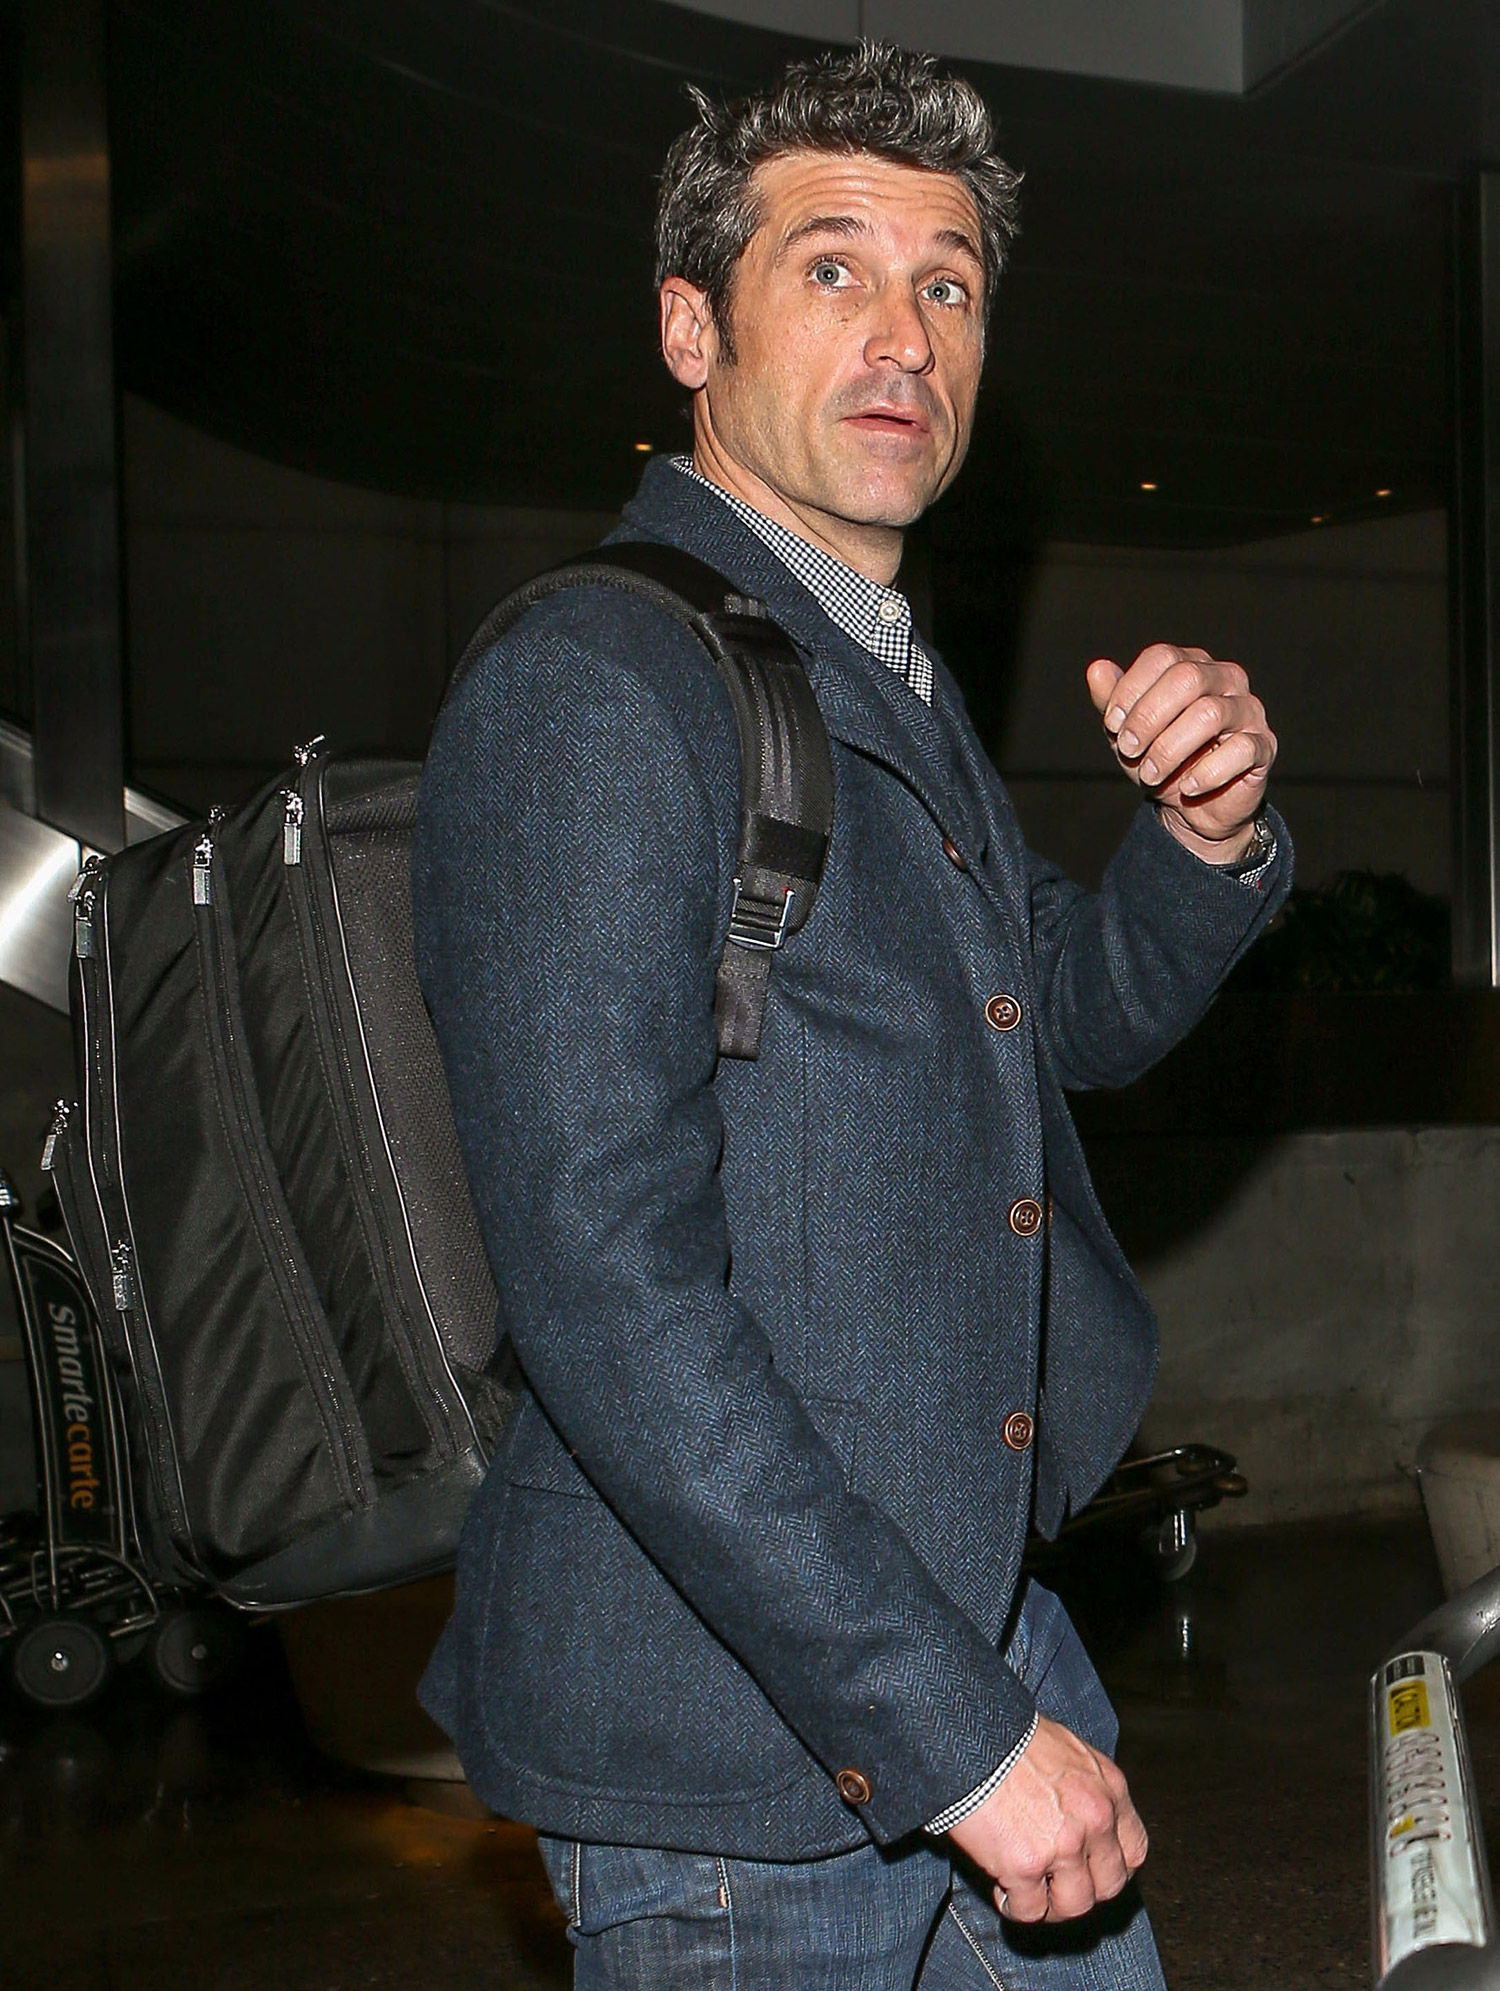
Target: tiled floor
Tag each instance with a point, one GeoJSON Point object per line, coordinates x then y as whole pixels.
{"type": "Point", "coordinates": [207, 1848]}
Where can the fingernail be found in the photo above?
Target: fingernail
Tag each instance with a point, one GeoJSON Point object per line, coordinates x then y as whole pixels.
{"type": "Point", "coordinates": [1190, 786]}
{"type": "Point", "coordinates": [1148, 770]}
{"type": "Point", "coordinates": [1114, 718]}
{"type": "Point", "coordinates": [1128, 743]}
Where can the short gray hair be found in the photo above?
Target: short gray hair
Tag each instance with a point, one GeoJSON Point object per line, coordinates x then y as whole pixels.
{"type": "Point", "coordinates": [876, 98]}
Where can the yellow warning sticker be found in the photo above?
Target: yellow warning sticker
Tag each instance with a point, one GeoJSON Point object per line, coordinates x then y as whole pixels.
{"type": "Point", "coordinates": [1408, 1705]}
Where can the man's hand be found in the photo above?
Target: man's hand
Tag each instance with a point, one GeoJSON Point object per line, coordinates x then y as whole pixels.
{"type": "Point", "coordinates": [1059, 1834]}
{"type": "Point", "coordinates": [1191, 731]}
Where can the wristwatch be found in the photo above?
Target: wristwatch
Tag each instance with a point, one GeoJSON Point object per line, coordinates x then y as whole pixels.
{"type": "Point", "coordinates": [1259, 854]}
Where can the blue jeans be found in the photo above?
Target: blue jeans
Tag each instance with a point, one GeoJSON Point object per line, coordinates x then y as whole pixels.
{"type": "Point", "coordinates": [903, 1919]}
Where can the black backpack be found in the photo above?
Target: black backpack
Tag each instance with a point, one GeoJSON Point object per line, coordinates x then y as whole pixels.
{"type": "Point", "coordinates": [261, 1178]}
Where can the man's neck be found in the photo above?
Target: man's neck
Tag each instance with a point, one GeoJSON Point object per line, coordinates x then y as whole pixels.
{"type": "Point", "coordinates": [871, 550]}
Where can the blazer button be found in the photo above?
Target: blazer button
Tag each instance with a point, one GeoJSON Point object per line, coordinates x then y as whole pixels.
{"type": "Point", "coordinates": [1018, 1430]}
{"type": "Point", "coordinates": [1026, 1217]}
{"type": "Point", "coordinates": [1002, 1012]}
{"type": "Point", "coordinates": [954, 855]}
{"type": "Point", "coordinates": [854, 1786]}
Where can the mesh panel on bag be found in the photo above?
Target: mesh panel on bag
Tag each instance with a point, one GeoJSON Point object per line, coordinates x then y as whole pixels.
{"type": "Point", "coordinates": [372, 865]}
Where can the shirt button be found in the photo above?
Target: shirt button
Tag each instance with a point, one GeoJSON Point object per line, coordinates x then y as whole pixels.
{"type": "Point", "coordinates": [891, 610]}
{"type": "Point", "coordinates": [854, 1786]}
{"type": "Point", "coordinates": [1018, 1430]}
{"type": "Point", "coordinates": [1026, 1217]}
{"type": "Point", "coordinates": [953, 854]}
{"type": "Point", "coordinates": [1002, 1012]}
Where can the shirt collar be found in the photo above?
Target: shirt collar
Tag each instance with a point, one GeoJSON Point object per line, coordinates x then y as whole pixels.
{"type": "Point", "coordinates": [877, 618]}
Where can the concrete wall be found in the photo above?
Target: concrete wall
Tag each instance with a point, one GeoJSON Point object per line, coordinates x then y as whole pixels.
{"type": "Point", "coordinates": [1325, 1298]}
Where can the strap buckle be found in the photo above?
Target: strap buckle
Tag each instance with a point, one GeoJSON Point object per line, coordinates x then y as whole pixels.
{"type": "Point", "coordinates": [759, 923]}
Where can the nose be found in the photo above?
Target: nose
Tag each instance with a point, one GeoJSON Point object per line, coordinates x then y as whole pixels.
{"type": "Point", "coordinates": [899, 336]}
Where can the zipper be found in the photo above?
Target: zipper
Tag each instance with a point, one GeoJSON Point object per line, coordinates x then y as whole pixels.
{"type": "Point", "coordinates": [293, 804]}
{"type": "Point", "coordinates": [291, 826]}
{"type": "Point", "coordinates": [85, 887]}
{"type": "Point", "coordinates": [203, 860]}
{"type": "Point", "coordinates": [62, 1113]}
{"type": "Point", "coordinates": [122, 1284]}
{"type": "Point", "coordinates": [310, 1332]}
{"type": "Point", "coordinates": [110, 1226]}
{"type": "Point", "coordinates": [319, 927]}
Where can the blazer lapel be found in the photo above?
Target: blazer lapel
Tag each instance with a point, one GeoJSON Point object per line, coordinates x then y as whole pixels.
{"type": "Point", "coordinates": [868, 708]}
{"type": "Point", "coordinates": [864, 704]}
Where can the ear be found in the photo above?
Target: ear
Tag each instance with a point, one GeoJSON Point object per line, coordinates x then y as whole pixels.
{"type": "Point", "coordinates": [688, 341]}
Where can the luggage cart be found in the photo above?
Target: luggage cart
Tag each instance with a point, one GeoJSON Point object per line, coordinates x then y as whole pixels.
{"type": "Point", "coordinates": [1159, 1498]}
{"type": "Point", "coordinates": [1434, 1918]}
{"type": "Point", "coordinates": [76, 1600]}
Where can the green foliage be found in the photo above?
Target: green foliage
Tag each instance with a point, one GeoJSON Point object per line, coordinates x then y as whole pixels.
{"type": "Point", "coordinates": [1366, 930]}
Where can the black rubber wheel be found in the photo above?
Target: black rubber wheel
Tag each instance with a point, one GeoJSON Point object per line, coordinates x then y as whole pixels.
{"type": "Point", "coordinates": [61, 1663]}
{"type": "Point", "coordinates": [1170, 1558]}
{"type": "Point", "coordinates": [1172, 1568]}
{"type": "Point", "coordinates": [193, 1649]}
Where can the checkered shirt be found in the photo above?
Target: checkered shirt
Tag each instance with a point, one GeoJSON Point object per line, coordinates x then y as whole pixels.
{"type": "Point", "coordinates": [877, 618]}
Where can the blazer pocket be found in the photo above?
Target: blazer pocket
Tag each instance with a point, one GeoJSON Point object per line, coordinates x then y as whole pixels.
{"type": "Point", "coordinates": [538, 1457]}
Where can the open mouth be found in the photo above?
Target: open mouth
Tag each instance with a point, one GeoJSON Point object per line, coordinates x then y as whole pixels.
{"type": "Point", "coordinates": [889, 421]}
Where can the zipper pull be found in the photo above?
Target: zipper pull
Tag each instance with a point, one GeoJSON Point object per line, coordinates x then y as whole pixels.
{"type": "Point", "coordinates": [309, 750]}
{"type": "Point", "coordinates": [62, 1113]}
{"type": "Point", "coordinates": [203, 860]}
{"type": "Point", "coordinates": [291, 827]}
{"type": "Point", "coordinates": [82, 896]}
{"type": "Point", "coordinates": [121, 1282]}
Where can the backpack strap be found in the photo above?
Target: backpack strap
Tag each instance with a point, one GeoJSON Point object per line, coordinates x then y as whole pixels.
{"type": "Point", "coordinates": [786, 764]}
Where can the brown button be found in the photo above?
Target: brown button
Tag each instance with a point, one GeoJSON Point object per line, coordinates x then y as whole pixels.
{"type": "Point", "coordinates": [1026, 1217]}
{"type": "Point", "coordinates": [953, 854]}
{"type": "Point", "coordinates": [854, 1786]}
{"type": "Point", "coordinates": [1002, 1012]}
{"type": "Point", "coordinates": [1018, 1430]}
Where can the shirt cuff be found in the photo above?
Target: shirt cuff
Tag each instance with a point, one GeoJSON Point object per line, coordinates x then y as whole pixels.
{"type": "Point", "coordinates": [946, 1820]}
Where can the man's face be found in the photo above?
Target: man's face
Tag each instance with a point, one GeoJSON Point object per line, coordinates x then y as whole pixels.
{"type": "Point", "coordinates": [858, 329]}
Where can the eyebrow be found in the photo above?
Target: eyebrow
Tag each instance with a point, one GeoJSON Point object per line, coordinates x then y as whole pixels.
{"type": "Point", "coordinates": [823, 224]}
{"type": "Point", "coordinates": [853, 224]}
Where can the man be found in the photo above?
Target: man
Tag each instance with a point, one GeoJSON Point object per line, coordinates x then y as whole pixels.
{"type": "Point", "coordinates": [808, 1342]}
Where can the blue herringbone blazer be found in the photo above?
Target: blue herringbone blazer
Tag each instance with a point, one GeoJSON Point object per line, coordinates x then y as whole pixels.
{"type": "Point", "coordinates": [756, 1520]}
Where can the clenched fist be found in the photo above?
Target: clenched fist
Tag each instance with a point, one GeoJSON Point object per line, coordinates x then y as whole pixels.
{"type": "Point", "coordinates": [1059, 1834]}
{"type": "Point", "coordinates": [1190, 731]}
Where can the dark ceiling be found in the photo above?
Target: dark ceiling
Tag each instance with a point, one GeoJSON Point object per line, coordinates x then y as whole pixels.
{"type": "Point", "coordinates": [406, 243]}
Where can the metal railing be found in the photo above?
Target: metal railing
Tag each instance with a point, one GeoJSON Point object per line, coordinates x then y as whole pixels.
{"type": "Point", "coordinates": [1434, 1913]}
{"type": "Point", "coordinates": [38, 864]}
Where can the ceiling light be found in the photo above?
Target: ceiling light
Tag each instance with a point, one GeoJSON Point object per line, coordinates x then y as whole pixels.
{"type": "Point", "coordinates": [643, 448]}
{"type": "Point", "coordinates": [1384, 494]}
{"type": "Point", "coordinates": [1148, 487]}
{"type": "Point", "coordinates": [1319, 518]}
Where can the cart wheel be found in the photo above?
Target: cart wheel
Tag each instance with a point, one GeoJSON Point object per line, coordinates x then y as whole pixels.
{"type": "Point", "coordinates": [191, 1650]}
{"type": "Point", "coordinates": [61, 1663]}
{"type": "Point", "coordinates": [1172, 1545]}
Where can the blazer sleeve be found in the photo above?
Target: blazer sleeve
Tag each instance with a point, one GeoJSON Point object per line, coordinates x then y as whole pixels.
{"type": "Point", "coordinates": [571, 894]}
{"type": "Point", "coordinates": [1125, 972]}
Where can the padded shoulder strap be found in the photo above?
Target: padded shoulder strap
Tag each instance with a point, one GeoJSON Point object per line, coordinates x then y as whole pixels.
{"type": "Point", "coordinates": [786, 765]}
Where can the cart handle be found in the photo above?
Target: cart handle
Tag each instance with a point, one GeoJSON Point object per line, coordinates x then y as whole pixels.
{"type": "Point", "coordinates": [1434, 1916]}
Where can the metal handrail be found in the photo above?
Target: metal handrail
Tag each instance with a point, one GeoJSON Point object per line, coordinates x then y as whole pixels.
{"type": "Point", "coordinates": [1433, 1911]}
